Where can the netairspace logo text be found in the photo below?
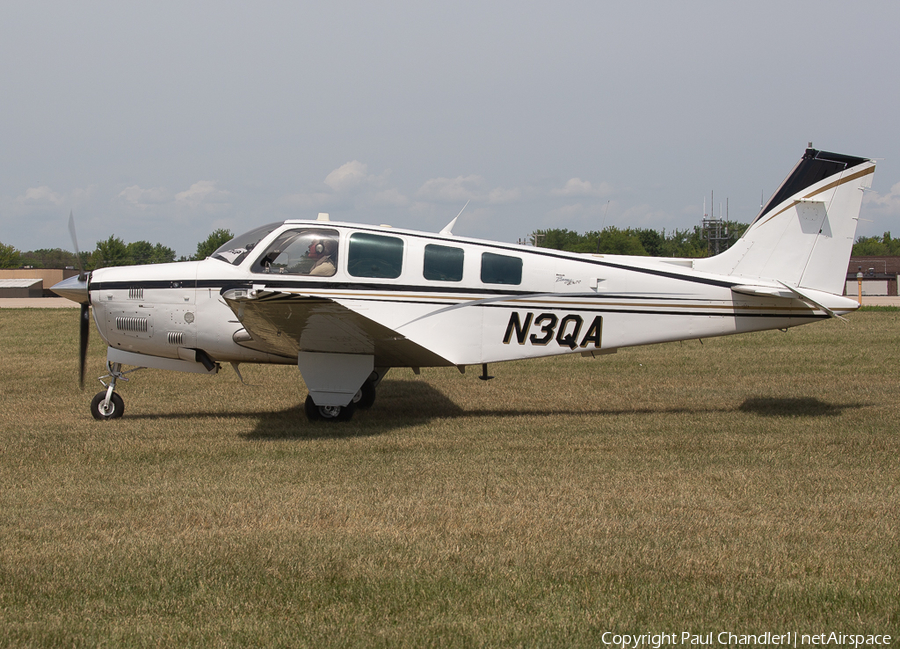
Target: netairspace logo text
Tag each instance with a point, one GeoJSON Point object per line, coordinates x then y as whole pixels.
{"type": "Point", "coordinates": [728, 639]}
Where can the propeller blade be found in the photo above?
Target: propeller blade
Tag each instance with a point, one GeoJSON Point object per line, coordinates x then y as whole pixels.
{"type": "Point", "coordinates": [83, 342]}
{"type": "Point", "coordinates": [77, 290]}
{"type": "Point", "coordinates": [81, 273]}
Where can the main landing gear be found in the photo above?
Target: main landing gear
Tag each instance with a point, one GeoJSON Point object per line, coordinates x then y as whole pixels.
{"type": "Point", "coordinates": [328, 413]}
{"type": "Point", "coordinates": [363, 399]}
{"type": "Point", "coordinates": [107, 404]}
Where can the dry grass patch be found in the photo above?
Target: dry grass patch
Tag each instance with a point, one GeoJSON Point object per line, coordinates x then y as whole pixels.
{"type": "Point", "coordinates": [747, 484]}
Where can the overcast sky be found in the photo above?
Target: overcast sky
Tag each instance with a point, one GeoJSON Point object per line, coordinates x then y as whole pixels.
{"type": "Point", "coordinates": [162, 121]}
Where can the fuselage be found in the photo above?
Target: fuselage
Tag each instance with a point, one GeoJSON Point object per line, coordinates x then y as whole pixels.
{"type": "Point", "coordinates": [467, 301]}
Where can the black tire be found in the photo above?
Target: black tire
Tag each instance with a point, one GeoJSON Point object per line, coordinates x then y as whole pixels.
{"type": "Point", "coordinates": [365, 398]}
{"type": "Point", "coordinates": [116, 406]}
{"type": "Point", "coordinates": [328, 413]}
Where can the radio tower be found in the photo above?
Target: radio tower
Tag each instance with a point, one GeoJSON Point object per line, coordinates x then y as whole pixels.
{"type": "Point", "coordinates": [714, 230]}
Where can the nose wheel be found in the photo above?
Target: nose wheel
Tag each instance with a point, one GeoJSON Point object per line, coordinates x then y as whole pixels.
{"type": "Point", "coordinates": [107, 404]}
{"type": "Point", "coordinates": [105, 407]}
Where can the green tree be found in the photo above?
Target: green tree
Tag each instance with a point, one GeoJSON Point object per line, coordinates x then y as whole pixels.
{"type": "Point", "coordinates": [652, 241]}
{"type": "Point", "coordinates": [869, 247]}
{"type": "Point", "coordinates": [876, 246]}
{"type": "Point", "coordinates": [49, 258]}
{"type": "Point", "coordinates": [637, 241]}
{"type": "Point", "coordinates": [613, 241]}
{"type": "Point", "coordinates": [685, 243]}
{"type": "Point", "coordinates": [140, 252]}
{"type": "Point", "coordinates": [144, 252]}
{"type": "Point", "coordinates": [557, 239]}
{"type": "Point", "coordinates": [162, 254]}
{"type": "Point", "coordinates": [10, 257]}
{"type": "Point", "coordinates": [212, 243]}
{"type": "Point", "coordinates": [112, 252]}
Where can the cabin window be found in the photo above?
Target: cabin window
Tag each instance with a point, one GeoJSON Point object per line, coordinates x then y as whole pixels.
{"type": "Point", "coordinates": [443, 263]}
{"type": "Point", "coordinates": [500, 269]}
{"type": "Point", "coordinates": [374, 255]}
{"type": "Point", "coordinates": [310, 252]}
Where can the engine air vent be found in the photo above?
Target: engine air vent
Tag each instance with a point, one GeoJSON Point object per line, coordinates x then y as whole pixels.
{"type": "Point", "coordinates": [135, 293]}
{"type": "Point", "coordinates": [132, 323]}
{"type": "Point", "coordinates": [175, 338]}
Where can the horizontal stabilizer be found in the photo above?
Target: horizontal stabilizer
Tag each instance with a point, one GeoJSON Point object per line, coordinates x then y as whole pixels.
{"type": "Point", "coordinates": [826, 302]}
{"type": "Point", "coordinates": [762, 291]}
{"type": "Point", "coordinates": [809, 299]}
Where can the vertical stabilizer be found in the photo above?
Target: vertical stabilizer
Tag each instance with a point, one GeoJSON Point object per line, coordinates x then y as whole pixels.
{"type": "Point", "coordinates": [804, 234]}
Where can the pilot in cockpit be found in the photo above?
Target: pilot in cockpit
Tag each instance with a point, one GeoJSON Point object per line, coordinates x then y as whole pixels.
{"type": "Point", "coordinates": [322, 251]}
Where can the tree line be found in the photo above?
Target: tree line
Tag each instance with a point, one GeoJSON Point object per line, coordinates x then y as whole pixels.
{"type": "Point", "coordinates": [637, 241]}
{"type": "Point", "coordinates": [110, 252]}
{"type": "Point", "coordinates": [677, 243]}
{"type": "Point", "coordinates": [882, 246]}
{"type": "Point", "coordinates": [691, 243]}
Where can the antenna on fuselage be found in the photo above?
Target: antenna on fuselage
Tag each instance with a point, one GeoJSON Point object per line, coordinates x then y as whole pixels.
{"type": "Point", "coordinates": [448, 229]}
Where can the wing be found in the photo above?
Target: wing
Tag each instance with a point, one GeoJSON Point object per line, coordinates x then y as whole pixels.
{"type": "Point", "coordinates": [287, 323]}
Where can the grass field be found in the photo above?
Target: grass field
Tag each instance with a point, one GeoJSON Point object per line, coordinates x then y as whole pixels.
{"type": "Point", "coordinates": [747, 484]}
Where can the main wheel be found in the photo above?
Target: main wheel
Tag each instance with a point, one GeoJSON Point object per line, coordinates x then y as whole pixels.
{"type": "Point", "coordinates": [328, 413]}
{"type": "Point", "coordinates": [366, 396]}
{"type": "Point", "coordinates": [114, 410]}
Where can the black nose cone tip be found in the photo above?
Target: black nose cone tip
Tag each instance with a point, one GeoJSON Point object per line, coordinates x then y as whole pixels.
{"type": "Point", "coordinates": [73, 288]}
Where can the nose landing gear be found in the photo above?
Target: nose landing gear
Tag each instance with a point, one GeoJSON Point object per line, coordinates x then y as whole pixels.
{"type": "Point", "coordinates": [107, 404]}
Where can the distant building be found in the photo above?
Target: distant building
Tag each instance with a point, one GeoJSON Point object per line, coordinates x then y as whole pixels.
{"type": "Point", "coordinates": [22, 287]}
{"type": "Point", "coordinates": [11, 281]}
{"type": "Point", "coordinates": [879, 275]}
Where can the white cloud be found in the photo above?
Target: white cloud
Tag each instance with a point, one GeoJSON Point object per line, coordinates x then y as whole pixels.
{"type": "Point", "coordinates": [78, 195]}
{"type": "Point", "coordinates": [579, 187]}
{"type": "Point", "coordinates": [567, 214]}
{"type": "Point", "coordinates": [203, 192]}
{"type": "Point", "coordinates": [500, 196]}
{"type": "Point", "coordinates": [390, 198]}
{"type": "Point", "coordinates": [140, 197]}
{"type": "Point", "coordinates": [889, 202]}
{"type": "Point", "coordinates": [452, 190]}
{"type": "Point", "coordinates": [347, 176]}
{"type": "Point", "coordinates": [42, 195]}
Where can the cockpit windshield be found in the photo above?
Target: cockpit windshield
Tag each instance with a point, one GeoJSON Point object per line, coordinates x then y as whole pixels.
{"type": "Point", "coordinates": [236, 250]}
{"type": "Point", "coordinates": [303, 251]}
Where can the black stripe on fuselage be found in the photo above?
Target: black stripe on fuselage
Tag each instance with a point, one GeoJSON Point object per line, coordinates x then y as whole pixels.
{"type": "Point", "coordinates": [300, 284]}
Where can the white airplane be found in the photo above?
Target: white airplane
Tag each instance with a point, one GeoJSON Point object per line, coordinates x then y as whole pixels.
{"type": "Point", "coordinates": [347, 302]}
